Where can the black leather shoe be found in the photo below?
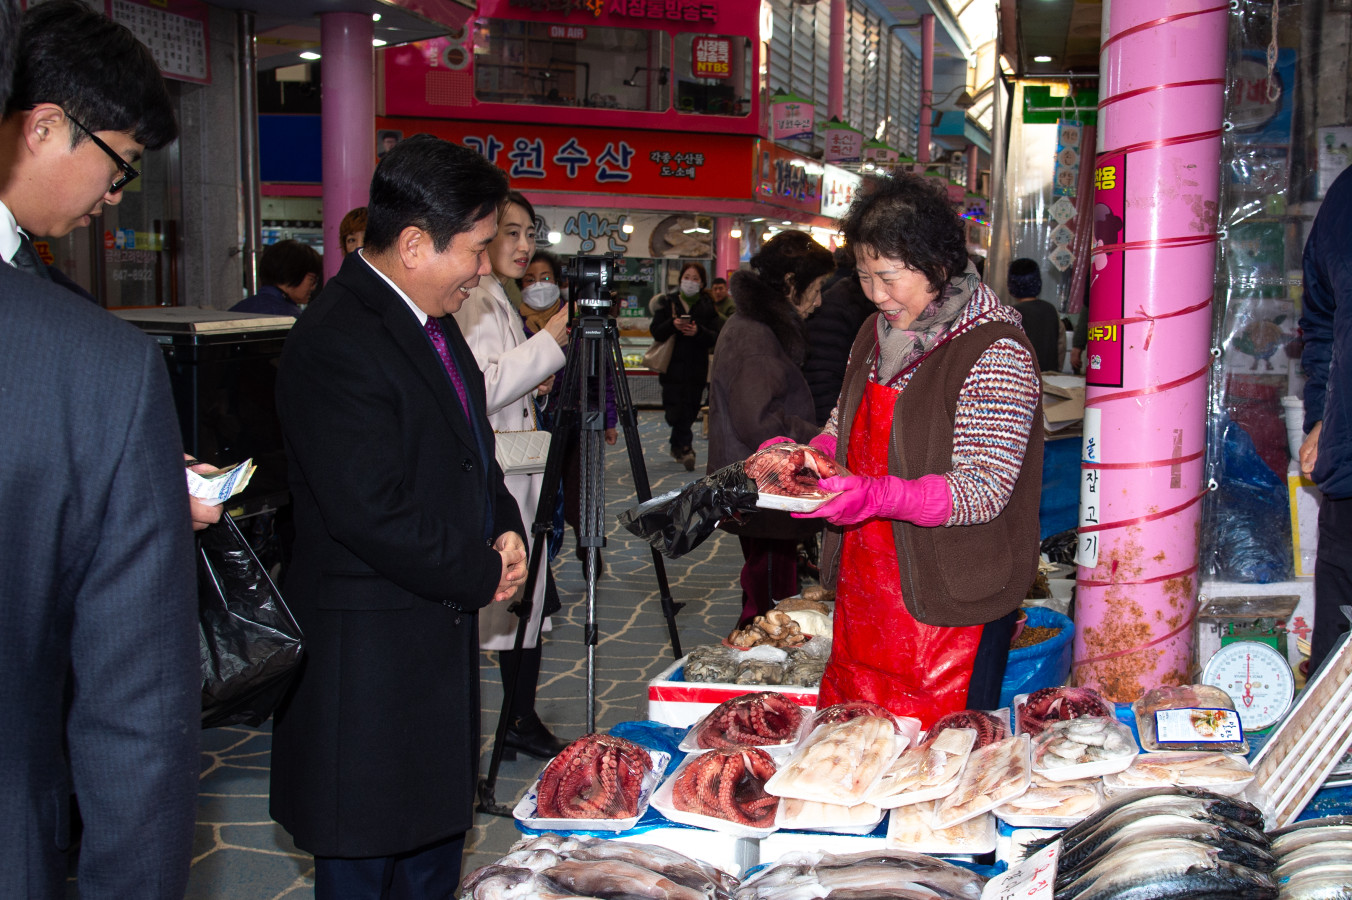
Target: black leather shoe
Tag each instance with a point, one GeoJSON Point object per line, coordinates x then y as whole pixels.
{"type": "Point", "coordinates": [529, 735]}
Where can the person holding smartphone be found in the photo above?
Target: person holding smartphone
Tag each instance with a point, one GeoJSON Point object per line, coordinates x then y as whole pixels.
{"type": "Point", "coordinates": [687, 313]}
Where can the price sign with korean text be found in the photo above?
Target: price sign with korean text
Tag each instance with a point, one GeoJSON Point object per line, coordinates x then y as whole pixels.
{"type": "Point", "coordinates": [1107, 273]}
{"type": "Point", "coordinates": [1091, 492]}
{"type": "Point", "coordinates": [711, 57]}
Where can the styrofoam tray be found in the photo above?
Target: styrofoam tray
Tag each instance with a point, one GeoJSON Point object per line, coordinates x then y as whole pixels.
{"type": "Point", "coordinates": [791, 504]}
{"type": "Point", "coordinates": [864, 826]}
{"type": "Point", "coordinates": [780, 751]}
{"type": "Point", "coordinates": [1093, 769]}
{"type": "Point", "coordinates": [1113, 784]}
{"type": "Point", "coordinates": [662, 802]}
{"type": "Point", "coordinates": [974, 836]}
{"type": "Point", "coordinates": [785, 787]}
{"type": "Point", "coordinates": [526, 807]}
{"type": "Point", "coordinates": [943, 789]}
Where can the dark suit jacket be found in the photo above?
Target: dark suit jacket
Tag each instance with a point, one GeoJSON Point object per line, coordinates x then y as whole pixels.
{"type": "Point", "coordinates": [98, 610]}
{"type": "Point", "coordinates": [396, 504]}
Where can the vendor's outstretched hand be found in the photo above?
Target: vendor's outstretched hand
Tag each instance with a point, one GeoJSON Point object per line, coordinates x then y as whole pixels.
{"type": "Point", "coordinates": [774, 440]}
{"type": "Point", "coordinates": [925, 501]}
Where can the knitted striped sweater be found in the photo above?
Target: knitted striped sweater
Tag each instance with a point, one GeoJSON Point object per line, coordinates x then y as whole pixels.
{"type": "Point", "coordinates": [994, 416]}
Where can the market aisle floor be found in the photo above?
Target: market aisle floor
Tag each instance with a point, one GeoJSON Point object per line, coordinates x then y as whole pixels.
{"type": "Point", "coordinates": [241, 854]}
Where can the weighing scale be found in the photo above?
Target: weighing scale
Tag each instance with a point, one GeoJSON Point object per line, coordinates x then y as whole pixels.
{"type": "Point", "coordinates": [1257, 677]}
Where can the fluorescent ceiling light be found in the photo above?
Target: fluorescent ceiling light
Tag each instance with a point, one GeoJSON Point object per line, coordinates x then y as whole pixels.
{"type": "Point", "coordinates": [309, 54]}
{"type": "Point", "coordinates": [1042, 59]}
{"type": "Point", "coordinates": [377, 42]}
{"type": "Point", "coordinates": [696, 230]}
{"type": "Point", "coordinates": [375, 17]}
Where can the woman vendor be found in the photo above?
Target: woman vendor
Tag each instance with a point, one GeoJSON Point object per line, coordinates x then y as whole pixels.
{"type": "Point", "coordinates": [933, 541]}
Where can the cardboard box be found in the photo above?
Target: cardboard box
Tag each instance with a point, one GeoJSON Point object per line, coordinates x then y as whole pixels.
{"type": "Point", "coordinates": [674, 701]}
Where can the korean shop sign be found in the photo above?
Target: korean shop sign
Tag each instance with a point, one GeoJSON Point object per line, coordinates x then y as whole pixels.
{"type": "Point", "coordinates": [711, 57]}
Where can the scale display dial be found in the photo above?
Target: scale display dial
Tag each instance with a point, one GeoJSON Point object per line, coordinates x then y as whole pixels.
{"type": "Point", "coordinates": [1257, 677]}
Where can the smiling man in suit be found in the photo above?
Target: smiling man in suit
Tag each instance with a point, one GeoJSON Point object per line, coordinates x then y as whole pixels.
{"type": "Point", "coordinates": [404, 529]}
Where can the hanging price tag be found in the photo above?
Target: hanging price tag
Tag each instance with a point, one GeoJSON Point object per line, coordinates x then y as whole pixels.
{"type": "Point", "coordinates": [1032, 879]}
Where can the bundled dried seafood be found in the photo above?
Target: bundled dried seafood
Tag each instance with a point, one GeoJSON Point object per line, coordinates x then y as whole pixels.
{"type": "Point", "coordinates": [774, 628]}
{"type": "Point", "coordinates": [762, 719]}
{"type": "Point", "coordinates": [912, 828]}
{"type": "Point", "coordinates": [759, 671]}
{"type": "Point", "coordinates": [1082, 748]}
{"type": "Point", "coordinates": [791, 470]}
{"type": "Point", "coordinates": [1218, 771]}
{"type": "Point", "coordinates": [805, 670]}
{"type": "Point", "coordinates": [926, 772]}
{"type": "Point", "coordinates": [1189, 717]}
{"type": "Point", "coordinates": [840, 762]}
{"type": "Point", "coordinates": [706, 664]}
{"type": "Point", "coordinates": [994, 775]}
{"type": "Point", "coordinates": [1057, 704]}
{"type": "Point", "coordinates": [1053, 804]}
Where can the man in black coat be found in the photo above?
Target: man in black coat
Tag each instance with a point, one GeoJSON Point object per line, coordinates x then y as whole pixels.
{"type": "Point", "coordinates": [404, 529]}
{"type": "Point", "coordinates": [831, 331]}
{"type": "Point", "coordinates": [1041, 322]}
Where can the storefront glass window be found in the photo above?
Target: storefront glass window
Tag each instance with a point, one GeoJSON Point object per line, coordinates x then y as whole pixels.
{"type": "Point", "coordinates": [571, 65]}
{"type": "Point", "coordinates": [713, 74]}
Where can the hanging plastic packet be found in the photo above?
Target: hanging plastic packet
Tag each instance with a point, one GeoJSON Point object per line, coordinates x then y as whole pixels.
{"type": "Point", "coordinates": [679, 521]}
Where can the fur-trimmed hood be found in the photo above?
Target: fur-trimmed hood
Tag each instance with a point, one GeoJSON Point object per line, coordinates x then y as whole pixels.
{"type": "Point", "coordinates": [760, 302]}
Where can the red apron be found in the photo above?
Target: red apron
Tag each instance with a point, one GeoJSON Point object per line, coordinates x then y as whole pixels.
{"type": "Point", "coordinates": [879, 652]}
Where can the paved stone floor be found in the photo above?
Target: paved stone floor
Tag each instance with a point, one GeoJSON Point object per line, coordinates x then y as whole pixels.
{"type": "Point", "coordinates": [241, 854]}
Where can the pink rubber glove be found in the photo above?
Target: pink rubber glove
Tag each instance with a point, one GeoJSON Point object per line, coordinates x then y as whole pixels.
{"type": "Point", "coordinates": [775, 440]}
{"type": "Point", "coordinates": [925, 501]}
{"type": "Point", "coordinates": [826, 443]}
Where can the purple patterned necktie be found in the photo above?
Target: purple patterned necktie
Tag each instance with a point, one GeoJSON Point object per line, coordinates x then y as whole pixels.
{"type": "Point", "coordinates": [438, 337]}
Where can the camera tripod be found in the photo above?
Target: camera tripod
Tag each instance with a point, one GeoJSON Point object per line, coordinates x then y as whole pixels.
{"type": "Point", "coordinates": [593, 357]}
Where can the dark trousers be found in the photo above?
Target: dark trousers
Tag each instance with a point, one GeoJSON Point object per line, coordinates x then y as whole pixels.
{"type": "Point", "coordinates": [769, 573]}
{"type": "Point", "coordinates": [428, 873]}
{"type": "Point", "coordinates": [1332, 577]}
{"type": "Point", "coordinates": [681, 401]}
{"type": "Point", "coordinates": [992, 655]}
{"type": "Point", "coordinates": [527, 677]}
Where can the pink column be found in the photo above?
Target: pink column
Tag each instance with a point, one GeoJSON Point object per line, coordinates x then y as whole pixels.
{"type": "Point", "coordinates": [348, 106]}
{"type": "Point", "coordinates": [835, 76]}
{"type": "Point", "coordinates": [1152, 267]}
{"type": "Point", "coordinates": [922, 153]}
{"type": "Point", "coordinates": [973, 158]}
{"type": "Point", "coordinates": [727, 249]}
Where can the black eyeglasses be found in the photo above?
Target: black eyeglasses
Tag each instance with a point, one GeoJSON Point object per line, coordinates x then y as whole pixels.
{"type": "Point", "coordinates": [129, 171]}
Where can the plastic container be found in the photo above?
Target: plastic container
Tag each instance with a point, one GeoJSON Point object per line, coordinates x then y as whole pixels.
{"type": "Point", "coordinates": [1053, 804]}
{"type": "Point", "coordinates": [1222, 773]}
{"type": "Point", "coordinates": [839, 762]}
{"type": "Point", "coordinates": [994, 775]}
{"type": "Point", "coordinates": [525, 809]}
{"type": "Point", "coordinates": [912, 828]}
{"type": "Point", "coordinates": [1042, 665]}
{"type": "Point", "coordinates": [1114, 752]}
{"type": "Point", "coordinates": [833, 818]}
{"type": "Point", "coordinates": [663, 803]}
{"type": "Point", "coordinates": [901, 784]}
{"type": "Point", "coordinates": [691, 742]}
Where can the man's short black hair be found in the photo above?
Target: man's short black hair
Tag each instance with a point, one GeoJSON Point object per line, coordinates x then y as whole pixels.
{"type": "Point", "coordinates": [286, 263]}
{"type": "Point", "coordinates": [719, 280]}
{"type": "Point", "coordinates": [431, 184]}
{"type": "Point", "coordinates": [93, 68]}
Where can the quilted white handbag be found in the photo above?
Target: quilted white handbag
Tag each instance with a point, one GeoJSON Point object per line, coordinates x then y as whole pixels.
{"type": "Point", "coordinates": [522, 452]}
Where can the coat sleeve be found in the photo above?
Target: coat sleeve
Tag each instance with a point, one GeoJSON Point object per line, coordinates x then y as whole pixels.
{"type": "Point", "coordinates": [662, 326]}
{"type": "Point", "coordinates": [334, 391]}
{"type": "Point", "coordinates": [706, 317]}
{"type": "Point", "coordinates": [511, 369]}
{"type": "Point", "coordinates": [756, 380]}
{"type": "Point", "coordinates": [135, 714]}
{"type": "Point", "coordinates": [1316, 325]}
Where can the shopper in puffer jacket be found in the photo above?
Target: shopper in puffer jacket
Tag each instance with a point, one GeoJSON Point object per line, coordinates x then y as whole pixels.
{"type": "Point", "coordinates": [757, 391]}
{"type": "Point", "coordinates": [831, 331]}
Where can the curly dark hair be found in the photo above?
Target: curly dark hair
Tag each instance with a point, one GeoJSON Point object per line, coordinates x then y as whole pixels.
{"type": "Point", "coordinates": [909, 218]}
{"type": "Point", "coordinates": [792, 253]}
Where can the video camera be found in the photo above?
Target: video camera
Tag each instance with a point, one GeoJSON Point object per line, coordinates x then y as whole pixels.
{"type": "Point", "coordinates": [589, 283]}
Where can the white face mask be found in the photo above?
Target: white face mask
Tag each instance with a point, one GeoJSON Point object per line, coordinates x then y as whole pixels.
{"type": "Point", "coordinates": [540, 295]}
{"type": "Point", "coordinates": [689, 287]}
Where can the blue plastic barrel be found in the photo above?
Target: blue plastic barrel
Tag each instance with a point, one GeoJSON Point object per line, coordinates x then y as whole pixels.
{"type": "Point", "coordinates": [1042, 665]}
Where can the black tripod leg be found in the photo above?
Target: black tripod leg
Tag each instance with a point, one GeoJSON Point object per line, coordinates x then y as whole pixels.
{"type": "Point", "coordinates": [540, 528]}
{"type": "Point", "coordinates": [614, 363]}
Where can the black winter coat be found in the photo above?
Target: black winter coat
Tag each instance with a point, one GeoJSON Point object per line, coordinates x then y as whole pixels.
{"type": "Point", "coordinates": [831, 331]}
{"type": "Point", "coordinates": [690, 356]}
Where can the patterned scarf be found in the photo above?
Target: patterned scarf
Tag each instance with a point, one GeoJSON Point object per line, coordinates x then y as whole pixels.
{"type": "Point", "coordinates": [898, 348]}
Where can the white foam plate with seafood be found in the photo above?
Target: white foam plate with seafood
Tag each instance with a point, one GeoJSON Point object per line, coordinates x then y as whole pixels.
{"type": "Point", "coordinates": [839, 762]}
{"type": "Point", "coordinates": [779, 708]}
{"type": "Point", "coordinates": [792, 504]}
{"type": "Point", "coordinates": [1223, 773]}
{"type": "Point", "coordinates": [810, 815]}
{"type": "Point", "coordinates": [1053, 804]}
{"type": "Point", "coordinates": [526, 807]}
{"type": "Point", "coordinates": [663, 802]}
{"type": "Point", "coordinates": [1087, 747]}
{"type": "Point", "coordinates": [927, 771]}
{"type": "Point", "coordinates": [994, 775]}
{"type": "Point", "coordinates": [912, 828]}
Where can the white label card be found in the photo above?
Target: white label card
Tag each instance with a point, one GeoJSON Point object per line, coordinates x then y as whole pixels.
{"type": "Point", "coordinates": [1091, 505]}
{"type": "Point", "coordinates": [1032, 879]}
{"type": "Point", "coordinates": [1177, 726]}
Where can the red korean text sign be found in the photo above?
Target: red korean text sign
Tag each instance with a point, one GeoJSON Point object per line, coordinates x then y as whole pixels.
{"type": "Point", "coordinates": [1107, 273]}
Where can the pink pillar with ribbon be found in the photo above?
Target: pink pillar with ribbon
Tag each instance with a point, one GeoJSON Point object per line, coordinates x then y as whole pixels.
{"type": "Point", "coordinates": [347, 101]}
{"type": "Point", "coordinates": [727, 249]}
{"type": "Point", "coordinates": [1157, 181]}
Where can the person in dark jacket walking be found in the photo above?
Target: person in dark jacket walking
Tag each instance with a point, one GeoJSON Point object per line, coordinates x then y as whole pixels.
{"type": "Point", "coordinates": [688, 313]}
{"type": "Point", "coordinates": [1326, 454]}
{"type": "Point", "coordinates": [1040, 320]}
{"type": "Point", "coordinates": [830, 334]}
{"type": "Point", "coordinates": [757, 391]}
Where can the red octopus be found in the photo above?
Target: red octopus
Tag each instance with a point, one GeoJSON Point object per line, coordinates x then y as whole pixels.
{"type": "Point", "coordinates": [728, 784]}
{"type": "Point", "coordinates": [1056, 704]}
{"type": "Point", "coordinates": [597, 776]}
{"type": "Point", "coordinates": [989, 729]}
{"type": "Point", "coordinates": [751, 720]}
{"type": "Point", "coordinates": [790, 470]}
{"type": "Point", "coordinates": [844, 712]}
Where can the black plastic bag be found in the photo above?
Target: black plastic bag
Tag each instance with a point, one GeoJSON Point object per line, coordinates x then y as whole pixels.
{"type": "Point", "coordinates": [678, 522]}
{"type": "Point", "coordinates": [250, 644]}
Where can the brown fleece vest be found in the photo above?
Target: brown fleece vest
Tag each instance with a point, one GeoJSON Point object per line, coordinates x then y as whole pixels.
{"type": "Point", "coordinates": [964, 574]}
